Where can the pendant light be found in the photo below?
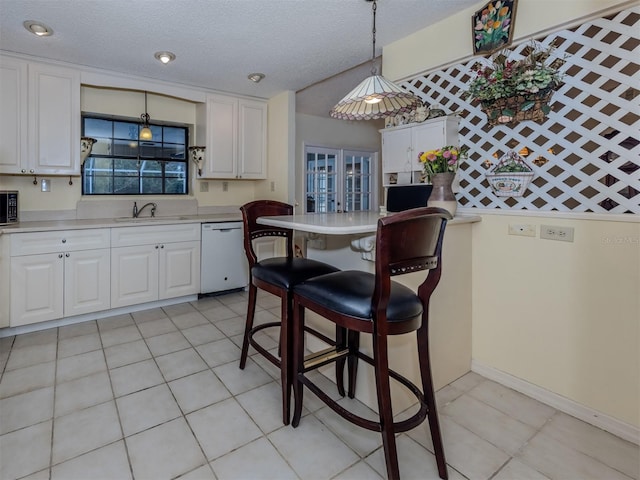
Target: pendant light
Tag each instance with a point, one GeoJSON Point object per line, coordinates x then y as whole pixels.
{"type": "Point", "coordinates": [145, 132]}
{"type": "Point", "coordinates": [375, 97]}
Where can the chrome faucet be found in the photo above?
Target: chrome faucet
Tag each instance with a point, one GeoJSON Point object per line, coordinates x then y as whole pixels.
{"type": "Point", "coordinates": [137, 212]}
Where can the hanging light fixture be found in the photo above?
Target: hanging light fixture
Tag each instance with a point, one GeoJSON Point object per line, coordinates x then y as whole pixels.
{"type": "Point", "coordinates": [145, 132]}
{"type": "Point", "coordinates": [375, 97]}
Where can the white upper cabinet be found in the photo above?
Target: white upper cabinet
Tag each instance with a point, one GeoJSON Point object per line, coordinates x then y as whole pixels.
{"type": "Point", "coordinates": [39, 118]}
{"type": "Point", "coordinates": [235, 133]}
{"type": "Point", "coordinates": [13, 114]}
{"type": "Point", "coordinates": [402, 145]}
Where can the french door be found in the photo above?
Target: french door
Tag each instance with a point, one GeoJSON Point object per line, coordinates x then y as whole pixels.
{"type": "Point", "coordinates": [339, 180]}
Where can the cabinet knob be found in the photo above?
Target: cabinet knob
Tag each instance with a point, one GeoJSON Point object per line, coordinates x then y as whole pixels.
{"type": "Point", "coordinates": [32, 171]}
{"type": "Point", "coordinates": [64, 240]}
{"type": "Point", "coordinates": [24, 170]}
{"type": "Point", "coordinates": [59, 255]}
{"type": "Point", "coordinates": [161, 246]}
{"type": "Point", "coordinates": [157, 247]}
{"type": "Point", "coordinates": [67, 255]}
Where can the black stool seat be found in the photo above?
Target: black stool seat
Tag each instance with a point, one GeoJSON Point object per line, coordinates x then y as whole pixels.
{"type": "Point", "coordinates": [288, 272]}
{"type": "Point", "coordinates": [349, 293]}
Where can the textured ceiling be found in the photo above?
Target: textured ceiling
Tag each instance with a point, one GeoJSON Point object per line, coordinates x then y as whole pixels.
{"type": "Point", "coordinates": [295, 43]}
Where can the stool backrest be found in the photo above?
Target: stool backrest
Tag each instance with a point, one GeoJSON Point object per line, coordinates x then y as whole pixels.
{"type": "Point", "coordinates": [407, 242]}
{"type": "Point", "coordinates": [252, 229]}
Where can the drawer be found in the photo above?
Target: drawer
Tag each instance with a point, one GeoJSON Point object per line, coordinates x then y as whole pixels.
{"type": "Point", "coordinates": [59, 241]}
{"type": "Point", "coordinates": [152, 234]}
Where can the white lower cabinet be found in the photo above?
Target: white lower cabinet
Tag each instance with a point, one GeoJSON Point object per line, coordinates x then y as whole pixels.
{"type": "Point", "coordinates": [154, 263]}
{"type": "Point", "coordinates": [63, 282]}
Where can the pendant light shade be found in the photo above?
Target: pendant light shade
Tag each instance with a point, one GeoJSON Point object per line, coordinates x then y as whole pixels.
{"type": "Point", "coordinates": [145, 132]}
{"type": "Point", "coordinates": [375, 97]}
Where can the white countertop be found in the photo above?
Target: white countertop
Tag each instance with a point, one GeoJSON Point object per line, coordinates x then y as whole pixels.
{"type": "Point", "coordinates": [341, 223]}
{"type": "Point", "coordinates": [52, 225]}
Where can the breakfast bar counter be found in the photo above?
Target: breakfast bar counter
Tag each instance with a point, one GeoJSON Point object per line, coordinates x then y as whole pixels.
{"type": "Point", "coordinates": [347, 240]}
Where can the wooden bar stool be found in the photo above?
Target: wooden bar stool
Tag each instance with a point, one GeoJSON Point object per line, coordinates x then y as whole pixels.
{"type": "Point", "coordinates": [373, 303]}
{"type": "Point", "coordinates": [278, 276]}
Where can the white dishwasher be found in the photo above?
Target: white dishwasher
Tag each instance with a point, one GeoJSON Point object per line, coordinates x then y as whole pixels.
{"type": "Point", "coordinates": [224, 264]}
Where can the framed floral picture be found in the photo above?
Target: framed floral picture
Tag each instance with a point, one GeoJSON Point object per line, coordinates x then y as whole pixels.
{"type": "Point", "coordinates": [492, 26]}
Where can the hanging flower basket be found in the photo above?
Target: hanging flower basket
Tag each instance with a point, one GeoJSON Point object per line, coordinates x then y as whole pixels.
{"type": "Point", "coordinates": [504, 111]}
{"type": "Point", "coordinates": [511, 176]}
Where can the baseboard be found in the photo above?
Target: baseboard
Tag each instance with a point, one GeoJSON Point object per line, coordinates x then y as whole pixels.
{"type": "Point", "coordinates": [598, 419]}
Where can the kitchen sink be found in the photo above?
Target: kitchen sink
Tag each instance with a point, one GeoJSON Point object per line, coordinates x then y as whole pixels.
{"type": "Point", "coordinates": [149, 219]}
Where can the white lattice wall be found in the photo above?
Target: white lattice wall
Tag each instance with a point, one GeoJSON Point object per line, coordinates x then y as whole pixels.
{"type": "Point", "coordinates": [592, 131]}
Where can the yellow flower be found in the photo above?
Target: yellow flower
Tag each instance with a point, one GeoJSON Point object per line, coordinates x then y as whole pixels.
{"type": "Point", "coordinates": [503, 11]}
{"type": "Point", "coordinates": [496, 24]}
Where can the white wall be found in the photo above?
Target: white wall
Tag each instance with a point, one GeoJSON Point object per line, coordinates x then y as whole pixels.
{"type": "Point", "coordinates": [564, 317]}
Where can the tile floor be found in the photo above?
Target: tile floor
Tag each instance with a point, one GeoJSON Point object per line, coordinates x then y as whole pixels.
{"type": "Point", "coordinates": [158, 394]}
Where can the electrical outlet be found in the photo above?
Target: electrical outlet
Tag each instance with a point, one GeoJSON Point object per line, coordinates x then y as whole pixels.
{"type": "Point", "coordinates": [225, 186]}
{"type": "Point", "coordinates": [273, 186]}
{"type": "Point", "coordinates": [522, 230]}
{"type": "Point", "coordinates": [554, 232]}
{"type": "Point", "coordinates": [204, 186]}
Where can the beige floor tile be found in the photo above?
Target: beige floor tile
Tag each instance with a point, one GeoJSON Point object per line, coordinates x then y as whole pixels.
{"type": "Point", "coordinates": [82, 393]}
{"type": "Point", "coordinates": [31, 355]}
{"type": "Point", "coordinates": [219, 352]}
{"type": "Point", "coordinates": [359, 471]}
{"type": "Point", "coordinates": [603, 446]}
{"type": "Point", "coordinates": [513, 403]}
{"type": "Point", "coordinates": [85, 430]}
{"type": "Point", "coordinates": [362, 441]}
{"type": "Point", "coordinates": [557, 460]}
{"type": "Point", "coordinates": [198, 391]}
{"type": "Point", "coordinates": [167, 343]}
{"type": "Point", "coordinates": [156, 327]}
{"type": "Point", "coordinates": [116, 321]}
{"type": "Point", "coordinates": [488, 423]}
{"type": "Point", "coordinates": [116, 336]}
{"type": "Point", "coordinates": [232, 326]}
{"type": "Point", "coordinates": [201, 473]}
{"type": "Point", "coordinates": [264, 404]}
{"type": "Point", "coordinates": [178, 309]}
{"type": "Point", "coordinates": [26, 409]}
{"type": "Point", "coordinates": [467, 381]}
{"type": "Point", "coordinates": [202, 334]}
{"type": "Point", "coordinates": [79, 344]}
{"type": "Point", "coordinates": [164, 452]}
{"type": "Point", "coordinates": [466, 452]}
{"type": "Point", "coordinates": [265, 463]}
{"type": "Point", "coordinates": [239, 381]}
{"type": "Point", "coordinates": [313, 450]}
{"type": "Point", "coordinates": [41, 475]}
{"type": "Point", "coordinates": [76, 330]}
{"type": "Point", "coordinates": [146, 409]}
{"type": "Point", "coordinates": [135, 377]}
{"type": "Point", "coordinates": [414, 462]}
{"type": "Point", "coordinates": [180, 364]}
{"type": "Point", "coordinates": [27, 379]}
{"type": "Point", "coordinates": [222, 427]}
{"type": "Point", "coordinates": [516, 470]}
{"type": "Point", "coordinates": [148, 315]}
{"type": "Point", "coordinates": [191, 319]}
{"type": "Point", "coordinates": [25, 451]}
{"type": "Point", "coordinates": [219, 313]}
{"type": "Point", "coordinates": [109, 462]}
{"type": "Point", "coordinates": [126, 353]}
{"type": "Point", "coordinates": [43, 337]}
{"type": "Point", "coordinates": [81, 365]}
{"type": "Point", "coordinates": [205, 303]}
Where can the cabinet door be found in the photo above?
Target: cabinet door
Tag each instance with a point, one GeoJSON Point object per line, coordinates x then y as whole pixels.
{"type": "Point", "coordinates": [222, 137]}
{"type": "Point", "coordinates": [396, 156]}
{"type": "Point", "coordinates": [87, 281]}
{"type": "Point", "coordinates": [252, 149]}
{"type": "Point", "coordinates": [134, 275]}
{"type": "Point", "coordinates": [13, 114]}
{"type": "Point", "coordinates": [54, 120]}
{"type": "Point", "coordinates": [427, 137]}
{"type": "Point", "coordinates": [36, 288]}
{"type": "Point", "coordinates": [179, 269]}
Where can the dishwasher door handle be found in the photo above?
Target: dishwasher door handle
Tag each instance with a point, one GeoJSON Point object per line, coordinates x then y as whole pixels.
{"type": "Point", "coordinates": [227, 229]}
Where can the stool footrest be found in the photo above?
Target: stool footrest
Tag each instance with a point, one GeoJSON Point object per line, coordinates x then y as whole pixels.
{"type": "Point", "coordinates": [272, 358]}
{"type": "Point", "coordinates": [323, 357]}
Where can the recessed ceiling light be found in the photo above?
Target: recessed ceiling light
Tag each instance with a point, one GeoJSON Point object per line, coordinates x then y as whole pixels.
{"type": "Point", "coordinates": [165, 57]}
{"type": "Point", "coordinates": [38, 28]}
{"type": "Point", "coordinates": [256, 77]}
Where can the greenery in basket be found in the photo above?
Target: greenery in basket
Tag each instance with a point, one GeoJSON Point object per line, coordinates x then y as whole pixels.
{"type": "Point", "coordinates": [533, 75]}
{"type": "Point", "coordinates": [442, 160]}
{"type": "Point", "coordinates": [511, 163]}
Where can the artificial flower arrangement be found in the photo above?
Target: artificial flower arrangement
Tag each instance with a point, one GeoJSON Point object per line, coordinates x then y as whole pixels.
{"type": "Point", "coordinates": [514, 90]}
{"type": "Point", "coordinates": [442, 160]}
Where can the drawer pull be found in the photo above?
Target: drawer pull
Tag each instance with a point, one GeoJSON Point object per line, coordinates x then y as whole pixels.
{"type": "Point", "coordinates": [59, 255]}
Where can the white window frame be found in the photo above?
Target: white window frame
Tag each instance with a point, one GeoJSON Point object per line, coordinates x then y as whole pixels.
{"type": "Point", "coordinates": [340, 176]}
